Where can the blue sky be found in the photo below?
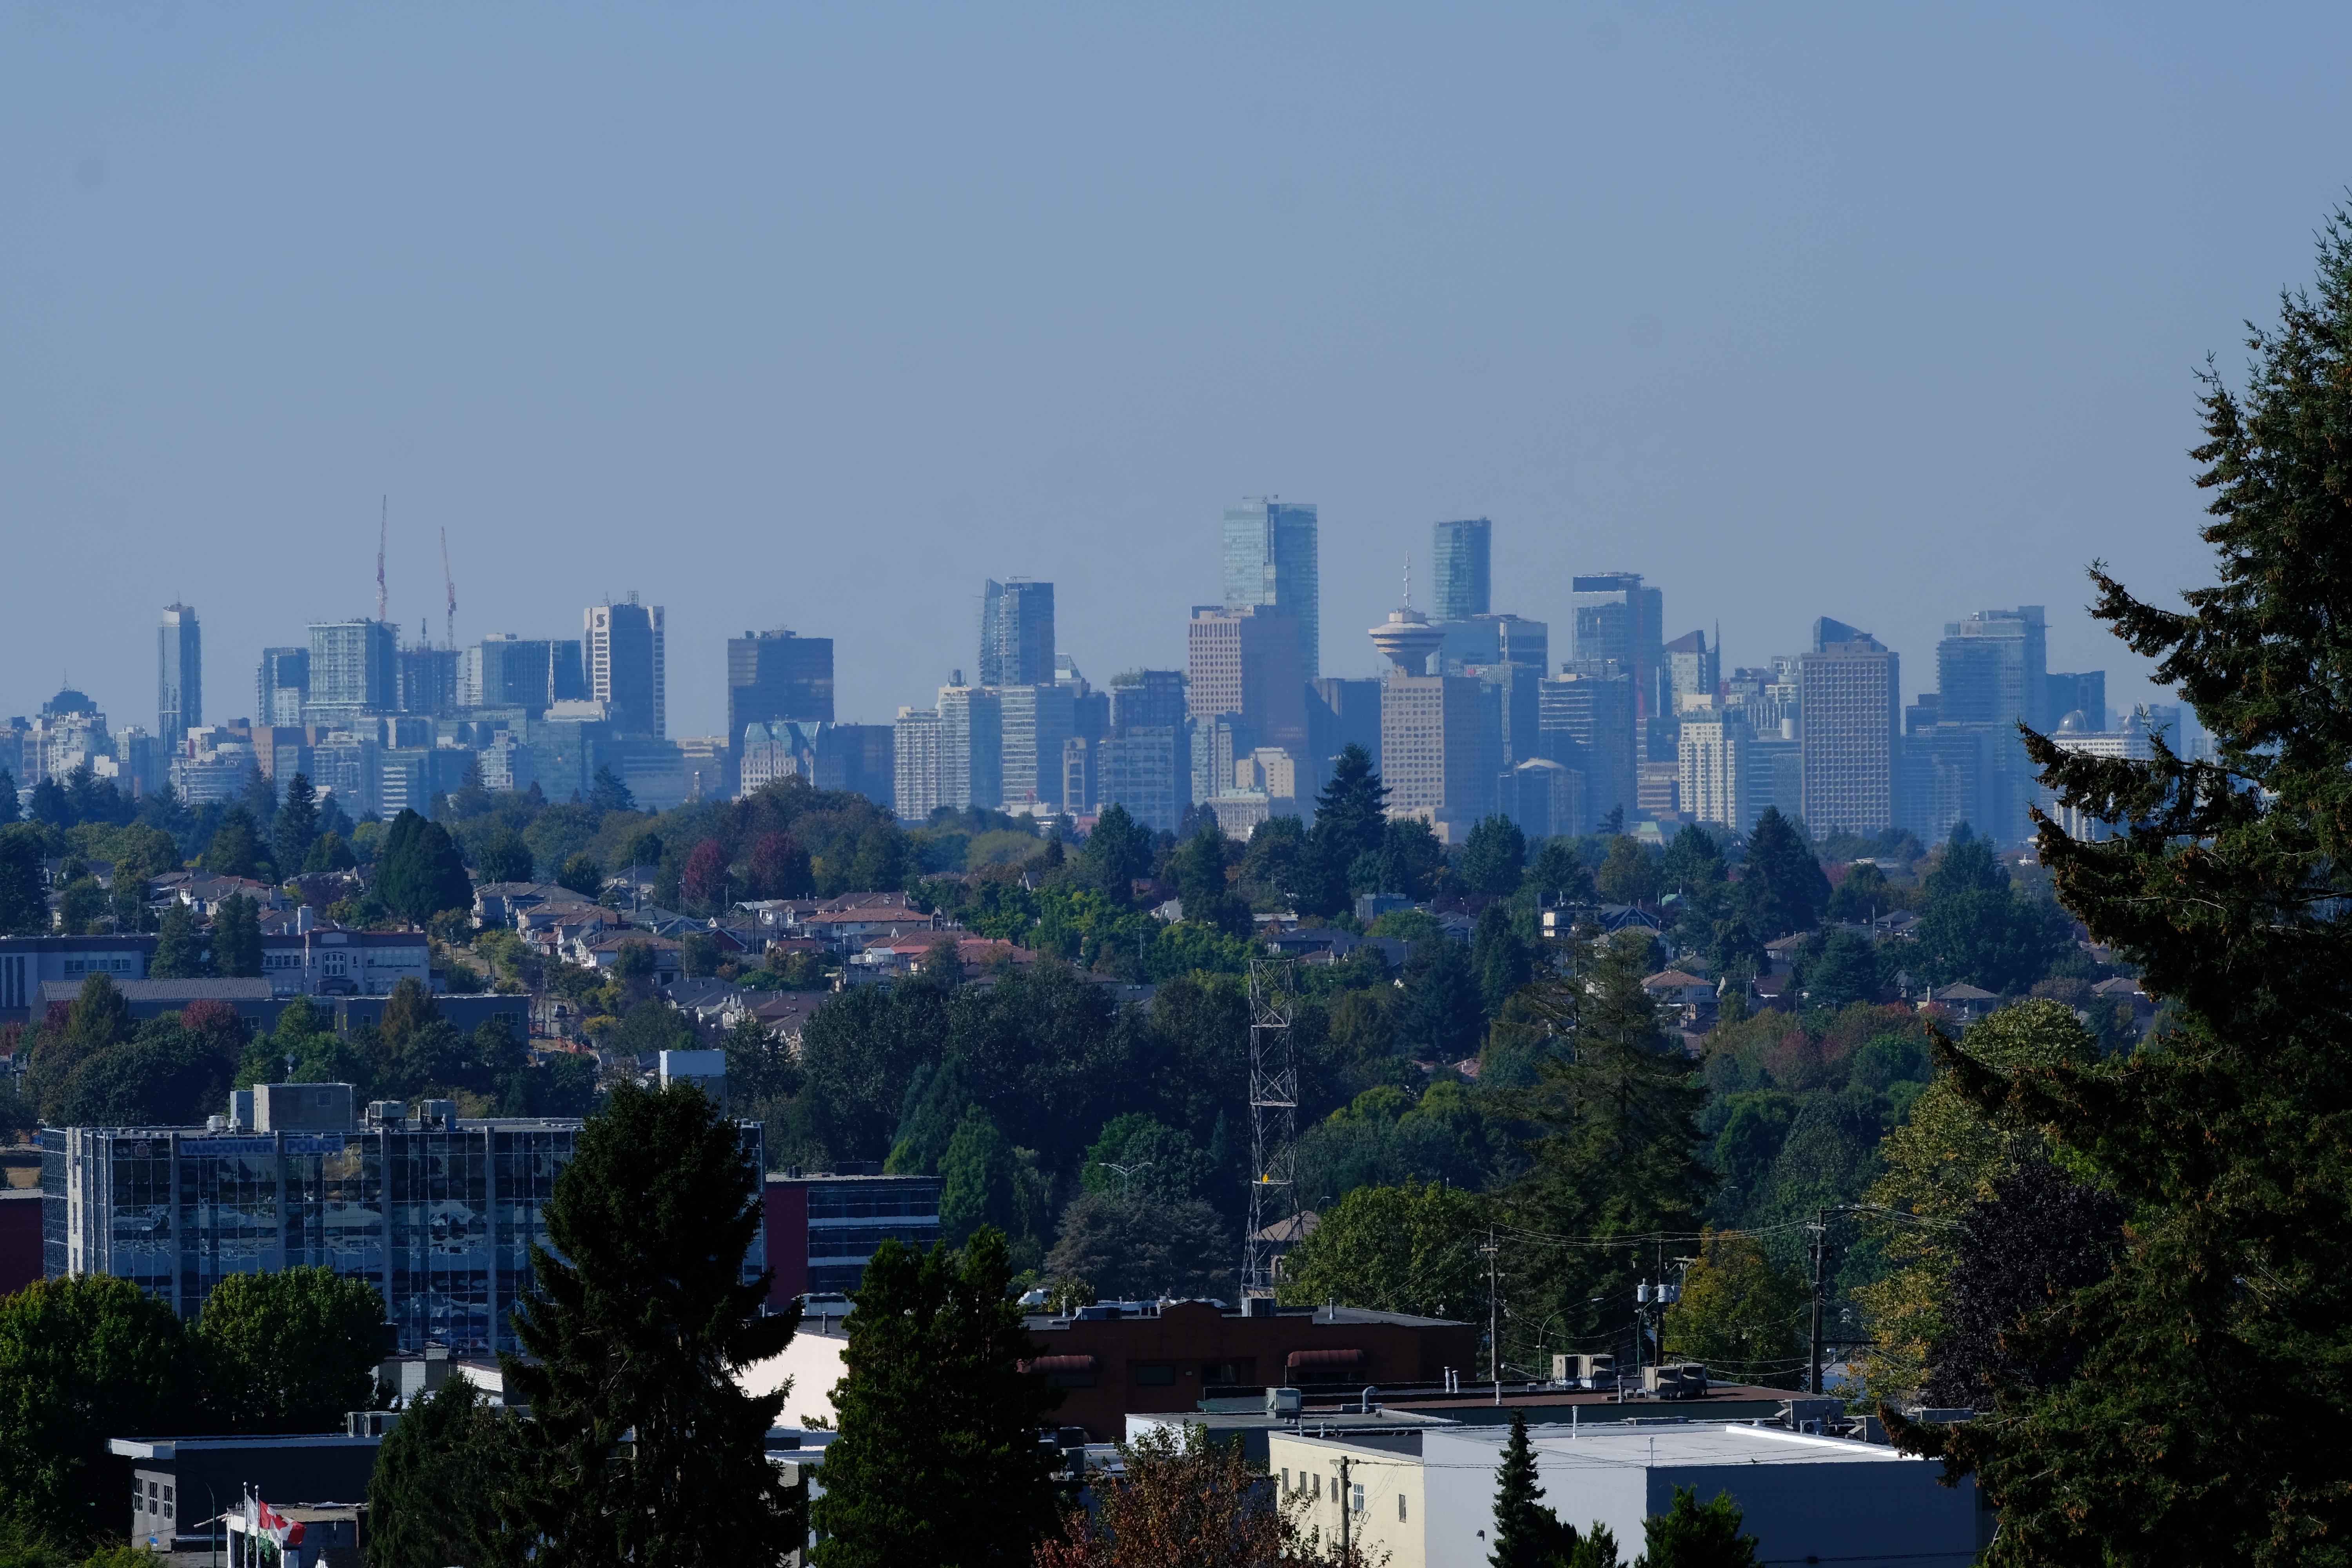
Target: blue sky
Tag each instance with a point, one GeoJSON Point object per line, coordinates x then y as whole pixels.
{"type": "Point", "coordinates": [817, 315]}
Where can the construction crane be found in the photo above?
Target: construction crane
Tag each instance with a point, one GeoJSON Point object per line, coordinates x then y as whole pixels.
{"type": "Point", "coordinates": [383, 524]}
{"type": "Point", "coordinates": [450, 636]}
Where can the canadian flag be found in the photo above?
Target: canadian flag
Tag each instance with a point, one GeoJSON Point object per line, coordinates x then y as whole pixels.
{"type": "Point", "coordinates": [282, 1532]}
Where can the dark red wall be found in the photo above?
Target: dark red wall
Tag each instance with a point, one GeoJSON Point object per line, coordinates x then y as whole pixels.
{"type": "Point", "coordinates": [20, 1240]}
{"type": "Point", "coordinates": [788, 1235]}
{"type": "Point", "coordinates": [1192, 1337]}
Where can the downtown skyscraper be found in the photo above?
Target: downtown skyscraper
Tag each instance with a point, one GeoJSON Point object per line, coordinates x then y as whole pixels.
{"type": "Point", "coordinates": [180, 676]}
{"type": "Point", "coordinates": [1016, 634]}
{"type": "Point", "coordinates": [1270, 559]}
{"type": "Point", "coordinates": [1463, 554]}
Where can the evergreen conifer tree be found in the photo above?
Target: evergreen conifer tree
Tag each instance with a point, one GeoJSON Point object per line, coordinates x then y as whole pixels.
{"type": "Point", "coordinates": [1688, 1535]}
{"type": "Point", "coordinates": [296, 825]}
{"type": "Point", "coordinates": [938, 1461]}
{"type": "Point", "coordinates": [23, 912]}
{"type": "Point", "coordinates": [236, 938]}
{"type": "Point", "coordinates": [2206, 1420]}
{"type": "Point", "coordinates": [1526, 1534]}
{"type": "Point", "coordinates": [179, 945]}
{"type": "Point", "coordinates": [1616, 1119]}
{"type": "Point", "coordinates": [1496, 860]}
{"type": "Point", "coordinates": [1782, 887]}
{"type": "Point", "coordinates": [1350, 814]}
{"type": "Point", "coordinates": [639, 1321]}
{"type": "Point", "coordinates": [8, 808]}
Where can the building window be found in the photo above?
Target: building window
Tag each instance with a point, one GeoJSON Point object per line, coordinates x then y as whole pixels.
{"type": "Point", "coordinates": [1285, 1478]}
{"type": "Point", "coordinates": [1356, 1500]}
{"type": "Point", "coordinates": [1317, 1491]}
{"type": "Point", "coordinates": [1400, 1508]}
{"type": "Point", "coordinates": [1155, 1377]}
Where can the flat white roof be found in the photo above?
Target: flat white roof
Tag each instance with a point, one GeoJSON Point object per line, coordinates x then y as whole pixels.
{"type": "Point", "coordinates": [1624, 1444]}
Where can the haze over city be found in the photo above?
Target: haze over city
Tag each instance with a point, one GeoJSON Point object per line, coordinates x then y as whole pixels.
{"type": "Point", "coordinates": [819, 318]}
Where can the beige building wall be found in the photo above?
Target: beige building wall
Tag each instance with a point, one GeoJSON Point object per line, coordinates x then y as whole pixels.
{"type": "Point", "coordinates": [1394, 1515]}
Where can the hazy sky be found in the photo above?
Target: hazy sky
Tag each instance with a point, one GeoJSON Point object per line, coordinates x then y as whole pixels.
{"type": "Point", "coordinates": [818, 315]}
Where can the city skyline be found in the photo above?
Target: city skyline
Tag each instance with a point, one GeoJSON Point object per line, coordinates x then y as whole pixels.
{"type": "Point", "coordinates": [1001, 340]}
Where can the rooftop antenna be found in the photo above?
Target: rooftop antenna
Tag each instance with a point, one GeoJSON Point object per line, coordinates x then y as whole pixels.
{"type": "Point", "coordinates": [383, 524]}
{"type": "Point", "coordinates": [1408, 579]}
{"type": "Point", "coordinates": [450, 636]}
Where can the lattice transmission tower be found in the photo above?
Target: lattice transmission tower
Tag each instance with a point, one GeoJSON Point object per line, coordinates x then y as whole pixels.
{"type": "Point", "coordinates": [1274, 1124]}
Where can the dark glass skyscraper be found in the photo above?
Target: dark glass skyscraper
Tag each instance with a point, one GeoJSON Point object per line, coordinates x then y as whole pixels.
{"type": "Point", "coordinates": [778, 675]}
{"type": "Point", "coordinates": [180, 676]}
{"type": "Point", "coordinates": [1016, 634]}
{"type": "Point", "coordinates": [1270, 559]}
{"type": "Point", "coordinates": [1463, 554]}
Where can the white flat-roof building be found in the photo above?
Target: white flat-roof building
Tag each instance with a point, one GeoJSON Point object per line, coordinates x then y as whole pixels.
{"type": "Point", "coordinates": [1428, 1497]}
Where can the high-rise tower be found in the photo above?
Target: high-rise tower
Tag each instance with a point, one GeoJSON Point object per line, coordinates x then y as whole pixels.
{"type": "Point", "coordinates": [626, 665]}
{"type": "Point", "coordinates": [1462, 553]}
{"type": "Point", "coordinates": [180, 676]}
{"type": "Point", "coordinates": [1270, 559]}
{"type": "Point", "coordinates": [1016, 633]}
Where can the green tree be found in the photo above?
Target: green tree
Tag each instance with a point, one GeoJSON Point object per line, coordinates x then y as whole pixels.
{"type": "Point", "coordinates": [979, 1183]}
{"type": "Point", "coordinates": [1690, 1536]}
{"type": "Point", "coordinates": [607, 792]}
{"type": "Point", "coordinates": [1615, 1125]}
{"type": "Point", "coordinates": [1977, 928]}
{"type": "Point", "coordinates": [1559, 874]}
{"type": "Point", "coordinates": [1409, 861]}
{"type": "Point", "coordinates": [419, 872]}
{"type": "Point", "coordinates": [23, 909]}
{"type": "Point", "coordinates": [1350, 817]}
{"type": "Point", "coordinates": [236, 938]}
{"type": "Point", "coordinates": [938, 1459]}
{"type": "Point", "coordinates": [1495, 861]}
{"type": "Point", "coordinates": [1526, 1533]}
{"type": "Point", "coordinates": [1737, 1313]}
{"type": "Point", "coordinates": [1200, 871]}
{"type": "Point", "coordinates": [296, 827]}
{"type": "Point", "coordinates": [235, 847]}
{"type": "Point", "coordinates": [291, 1351]}
{"type": "Point", "coordinates": [1628, 876]}
{"type": "Point", "coordinates": [82, 906]}
{"type": "Point", "coordinates": [502, 856]}
{"type": "Point", "coordinates": [1845, 973]}
{"type": "Point", "coordinates": [1116, 853]}
{"type": "Point", "coordinates": [1444, 1015]}
{"type": "Point", "coordinates": [8, 811]}
{"type": "Point", "coordinates": [1407, 1248]}
{"type": "Point", "coordinates": [1693, 868]}
{"type": "Point", "coordinates": [329, 852]}
{"type": "Point", "coordinates": [638, 1321]}
{"type": "Point", "coordinates": [583, 875]}
{"type": "Point", "coordinates": [1502, 960]}
{"type": "Point", "coordinates": [179, 945]}
{"type": "Point", "coordinates": [2200, 1427]}
{"type": "Point", "coordinates": [881, 863]}
{"type": "Point", "coordinates": [83, 1359]}
{"type": "Point", "coordinates": [1782, 887]}
{"type": "Point", "coordinates": [432, 1497]}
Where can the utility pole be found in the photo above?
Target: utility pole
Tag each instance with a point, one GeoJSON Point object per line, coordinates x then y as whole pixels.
{"type": "Point", "coordinates": [1821, 1244]}
{"type": "Point", "coordinates": [1346, 1497]}
{"type": "Point", "coordinates": [1494, 1319]}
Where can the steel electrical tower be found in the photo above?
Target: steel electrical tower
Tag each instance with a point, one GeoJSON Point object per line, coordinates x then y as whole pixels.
{"type": "Point", "coordinates": [1274, 1123]}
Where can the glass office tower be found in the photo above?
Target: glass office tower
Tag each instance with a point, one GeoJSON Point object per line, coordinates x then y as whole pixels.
{"type": "Point", "coordinates": [180, 677]}
{"type": "Point", "coordinates": [1270, 559]}
{"type": "Point", "coordinates": [1463, 554]}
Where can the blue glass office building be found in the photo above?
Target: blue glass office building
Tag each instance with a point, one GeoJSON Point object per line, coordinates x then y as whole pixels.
{"type": "Point", "coordinates": [1270, 559]}
{"type": "Point", "coordinates": [438, 1213]}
